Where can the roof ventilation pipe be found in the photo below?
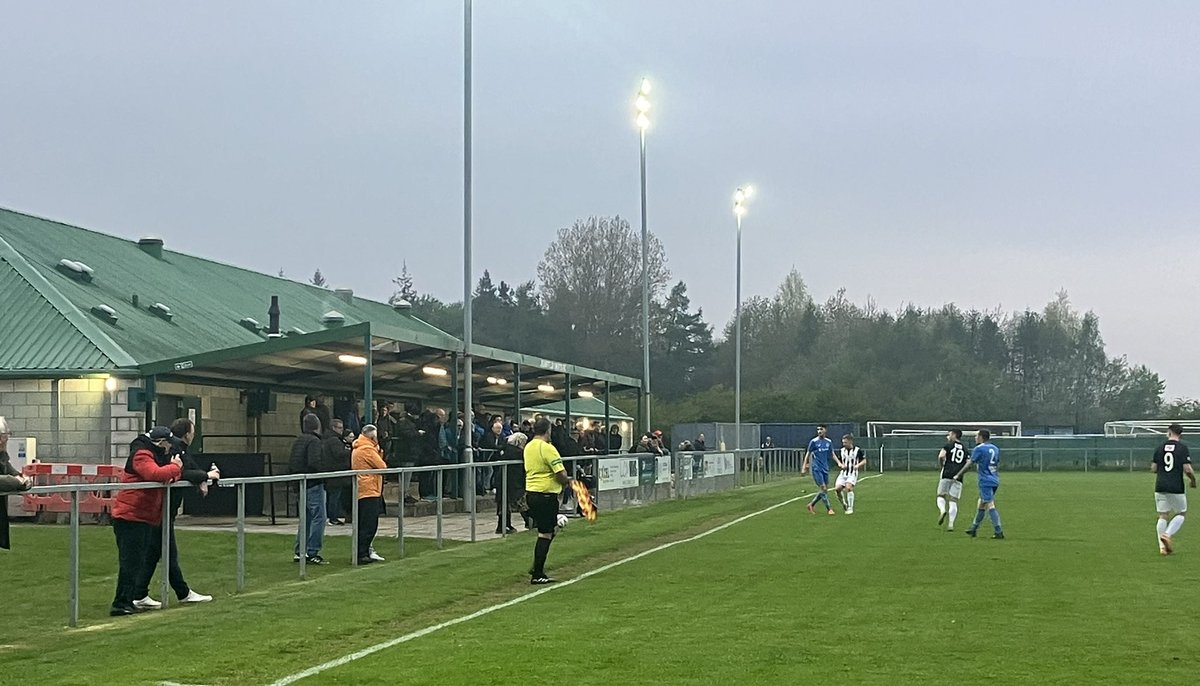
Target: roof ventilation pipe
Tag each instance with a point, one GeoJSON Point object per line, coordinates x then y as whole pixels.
{"type": "Point", "coordinates": [273, 313]}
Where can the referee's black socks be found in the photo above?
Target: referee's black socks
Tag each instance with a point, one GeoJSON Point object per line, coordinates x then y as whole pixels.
{"type": "Point", "coordinates": [540, 550]}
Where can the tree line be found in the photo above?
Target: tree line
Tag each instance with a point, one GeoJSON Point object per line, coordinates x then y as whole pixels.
{"type": "Point", "coordinates": [803, 360]}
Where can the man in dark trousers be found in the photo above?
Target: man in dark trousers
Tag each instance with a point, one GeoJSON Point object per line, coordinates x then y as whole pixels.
{"type": "Point", "coordinates": [335, 457]}
{"type": "Point", "coordinates": [306, 459]}
{"type": "Point", "coordinates": [137, 513]}
{"type": "Point", "coordinates": [183, 432]}
{"type": "Point", "coordinates": [407, 441]}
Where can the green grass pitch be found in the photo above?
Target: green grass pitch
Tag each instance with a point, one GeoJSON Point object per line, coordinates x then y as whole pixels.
{"type": "Point", "coordinates": [1076, 595]}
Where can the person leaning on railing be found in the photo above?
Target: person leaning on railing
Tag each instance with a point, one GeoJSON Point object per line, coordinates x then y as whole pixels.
{"type": "Point", "coordinates": [137, 514]}
{"type": "Point", "coordinates": [11, 481]}
{"type": "Point", "coordinates": [367, 455]}
{"type": "Point", "coordinates": [514, 451]}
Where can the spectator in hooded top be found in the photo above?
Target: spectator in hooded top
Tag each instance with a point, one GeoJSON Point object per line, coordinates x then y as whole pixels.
{"type": "Point", "coordinates": [183, 432]}
{"type": "Point", "coordinates": [306, 458]}
{"type": "Point", "coordinates": [615, 440]}
{"type": "Point", "coordinates": [310, 407]}
{"type": "Point", "coordinates": [137, 513]}
{"type": "Point", "coordinates": [367, 455]}
{"type": "Point", "coordinates": [699, 445]}
{"type": "Point", "coordinates": [11, 481]}
{"type": "Point", "coordinates": [335, 457]}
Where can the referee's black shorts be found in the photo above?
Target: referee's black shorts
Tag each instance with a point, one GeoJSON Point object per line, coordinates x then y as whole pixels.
{"type": "Point", "coordinates": [543, 509]}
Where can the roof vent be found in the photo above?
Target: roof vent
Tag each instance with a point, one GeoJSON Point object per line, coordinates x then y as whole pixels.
{"type": "Point", "coordinates": [161, 310]}
{"type": "Point", "coordinates": [345, 294]}
{"type": "Point", "coordinates": [333, 318]}
{"type": "Point", "coordinates": [106, 313]}
{"type": "Point", "coordinates": [152, 246]}
{"type": "Point", "coordinates": [273, 318]}
{"type": "Point", "coordinates": [76, 270]}
{"type": "Point", "coordinates": [294, 331]}
{"type": "Point", "coordinates": [401, 304]}
{"type": "Point", "coordinates": [251, 324]}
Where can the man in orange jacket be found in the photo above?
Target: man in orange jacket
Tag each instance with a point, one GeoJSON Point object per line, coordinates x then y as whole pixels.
{"type": "Point", "coordinates": [137, 514]}
{"type": "Point", "coordinates": [367, 455]}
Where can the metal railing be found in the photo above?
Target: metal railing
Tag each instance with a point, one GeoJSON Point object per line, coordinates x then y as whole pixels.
{"type": "Point", "coordinates": [688, 477]}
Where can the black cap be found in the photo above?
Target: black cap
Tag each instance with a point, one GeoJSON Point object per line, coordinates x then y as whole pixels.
{"type": "Point", "coordinates": [160, 433]}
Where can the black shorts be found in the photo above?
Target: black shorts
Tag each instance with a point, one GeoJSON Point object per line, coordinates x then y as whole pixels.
{"type": "Point", "coordinates": [543, 509]}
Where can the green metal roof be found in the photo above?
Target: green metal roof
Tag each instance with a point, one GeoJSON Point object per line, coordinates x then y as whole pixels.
{"type": "Point", "coordinates": [207, 301]}
{"type": "Point", "coordinates": [592, 408]}
{"type": "Point", "coordinates": [35, 335]}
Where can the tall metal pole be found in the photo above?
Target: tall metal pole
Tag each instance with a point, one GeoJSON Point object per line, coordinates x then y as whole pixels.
{"type": "Point", "coordinates": [737, 349]}
{"type": "Point", "coordinates": [468, 363]}
{"type": "Point", "coordinates": [645, 293]}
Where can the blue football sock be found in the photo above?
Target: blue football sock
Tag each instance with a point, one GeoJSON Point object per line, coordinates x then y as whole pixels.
{"type": "Point", "coordinates": [825, 497]}
{"type": "Point", "coordinates": [816, 499]}
{"type": "Point", "coordinates": [979, 514]}
{"type": "Point", "coordinates": [995, 515]}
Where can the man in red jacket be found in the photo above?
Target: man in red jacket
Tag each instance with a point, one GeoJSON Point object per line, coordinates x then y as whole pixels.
{"type": "Point", "coordinates": [137, 514]}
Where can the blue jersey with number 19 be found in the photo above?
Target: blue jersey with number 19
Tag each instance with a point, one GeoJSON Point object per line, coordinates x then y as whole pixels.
{"type": "Point", "coordinates": [987, 460]}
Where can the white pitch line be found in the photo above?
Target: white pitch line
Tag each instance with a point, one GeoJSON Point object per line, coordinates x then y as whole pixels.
{"type": "Point", "coordinates": [332, 664]}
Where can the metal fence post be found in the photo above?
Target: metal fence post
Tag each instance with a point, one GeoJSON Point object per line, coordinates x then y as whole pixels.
{"type": "Point", "coordinates": [1041, 461]}
{"type": "Point", "coordinates": [73, 569]}
{"type": "Point", "coordinates": [504, 515]}
{"type": "Point", "coordinates": [354, 514]}
{"type": "Point", "coordinates": [400, 511]}
{"type": "Point", "coordinates": [908, 459]}
{"type": "Point", "coordinates": [302, 532]}
{"type": "Point", "coordinates": [165, 561]}
{"type": "Point", "coordinates": [241, 537]}
{"type": "Point", "coordinates": [438, 495]}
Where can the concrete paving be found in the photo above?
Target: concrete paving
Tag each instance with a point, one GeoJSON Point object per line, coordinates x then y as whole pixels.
{"type": "Point", "coordinates": [455, 527]}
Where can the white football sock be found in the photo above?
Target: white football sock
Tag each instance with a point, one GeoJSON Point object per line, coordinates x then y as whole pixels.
{"type": "Point", "coordinates": [953, 512]}
{"type": "Point", "coordinates": [1160, 525]}
{"type": "Point", "coordinates": [1175, 525]}
{"type": "Point", "coordinates": [941, 505]}
{"type": "Point", "coordinates": [850, 500]}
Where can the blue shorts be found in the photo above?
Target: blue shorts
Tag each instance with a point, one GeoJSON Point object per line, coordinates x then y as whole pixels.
{"type": "Point", "coordinates": [821, 478]}
{"type": "Point", "coordinates": [988, 493]}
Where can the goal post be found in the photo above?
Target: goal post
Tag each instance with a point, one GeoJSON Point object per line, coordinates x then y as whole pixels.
{"type": "Point", "coordinates": [903, 444]}
{"type": "Point", "coordinates": [1142, 427]}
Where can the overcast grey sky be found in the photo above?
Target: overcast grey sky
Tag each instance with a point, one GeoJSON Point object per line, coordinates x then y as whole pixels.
{"type": "Point", "coordinates": [986, 154]}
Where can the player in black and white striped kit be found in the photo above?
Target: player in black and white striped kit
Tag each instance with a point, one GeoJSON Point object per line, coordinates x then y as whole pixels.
{"type": "Point", "coordinates": [850, 459]}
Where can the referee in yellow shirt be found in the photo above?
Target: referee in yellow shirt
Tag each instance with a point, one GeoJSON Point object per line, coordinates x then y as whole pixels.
{"type": "Point", "coordinates": [545, 477]}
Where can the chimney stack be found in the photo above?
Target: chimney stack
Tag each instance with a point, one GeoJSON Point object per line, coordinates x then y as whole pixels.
{"type": "Point", "coordinates": [273, 313]}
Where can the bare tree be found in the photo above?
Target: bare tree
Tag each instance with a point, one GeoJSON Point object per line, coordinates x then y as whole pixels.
{"type": "Point", "coordinates": [591, 281]}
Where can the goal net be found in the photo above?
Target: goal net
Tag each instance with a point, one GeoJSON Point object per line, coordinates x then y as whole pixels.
{"type": "Point", "coordinates": [880, 429]}
{"type": "Point", "coordinates": [1142, 427]}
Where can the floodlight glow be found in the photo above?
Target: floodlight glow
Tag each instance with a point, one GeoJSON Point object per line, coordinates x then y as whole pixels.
{"type": "Point", "coordinates": [110, 384]}
{"type": "Point", "coordinates": [353, 359]}
{"type": "Point", "coordinates": [740, 196]}
{"type": "Point", "coordinates": [642, 104]}
{"type": "Point", "coordinates": [546, 388]}
{"type": "Point", "coordinates": [434, 371]}
{"type": "Point", "coordinates": [739, 210]}
{"type": "Point", "coordinates": [586, 394]}
{"type": "Point", "coordinates": [645, 89]}
{"type": "Point", "coordinates": [643, 121]}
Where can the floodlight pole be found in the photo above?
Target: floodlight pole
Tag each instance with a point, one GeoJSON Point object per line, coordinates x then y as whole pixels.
{"type": "Point", "coordinates": [737, 348]}
{"type": "Point", "coordinates": [468, 364]}
{"type": "Point", "coordinates": [645, 291]}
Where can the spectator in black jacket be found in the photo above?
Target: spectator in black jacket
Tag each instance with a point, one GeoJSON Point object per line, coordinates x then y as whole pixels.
{"type": "Point", "coordinates": [614, 440]}
{"type": "Point", "coordinates": [310, 407]}
{"type": "Point", "coordinates": [406, 444]}
{"type": "Point", "coordinates": [428, 448]}
{"type": "Point", "coordinates": [306, 459]}
{"type": "Point", "coordinates": [490, 445]}
{"type": "Point", "coordinates": [514, 450]}
{"type": "Point", "coordinates": [183, 432]}
{"type": "Point", "coordinates": [335, 457]}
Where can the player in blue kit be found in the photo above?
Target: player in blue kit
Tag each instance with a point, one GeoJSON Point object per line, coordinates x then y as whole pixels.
{"type": "Point", "coordinates": [986, 458]}
{"type": "Point", "coordinates": [818, 453]}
